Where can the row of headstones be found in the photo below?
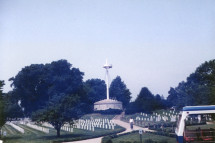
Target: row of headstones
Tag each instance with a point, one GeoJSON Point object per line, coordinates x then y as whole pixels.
{"type": "Point", "coordinates": [64, 127]}
{"type": "Point", "coordinates": [162, 114]}
{"type": "Point", "coordinates": [36, 127]}
{"type": "Point", "coordinates": [92, 126]}
{"type": "Point", "coordinates": [21, 130]}
{"type": "Point", "coordinates": [87, 125]}
{"type": "Point", "coordinates": [67, 128]}
{"type": "Point", "coordinates": [158, 118]}
{"type": "Point", "coordinates": [96, 123]}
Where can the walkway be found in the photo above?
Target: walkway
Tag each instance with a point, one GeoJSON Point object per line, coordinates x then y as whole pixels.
{"type": "Point", "coordinates": [116, 120]}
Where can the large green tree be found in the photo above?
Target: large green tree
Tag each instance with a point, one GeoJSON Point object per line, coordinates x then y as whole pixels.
{"type": "Point", "coordinates": [60, 110]}
{"type": "Point", "coordinates": [119, 91]}
{"type": "Point", "coordinates": [199, 89]}
{"type": "Point", "coordinates": [12, 108]}
{"type": "Point", "coordinates": [65, 85]}
{"type": "Point", "coordinates": [54, 92]}
{"type": "Point", "coordinates": [2, 105]}
{"type": "Point", "coordinates": [172, 98]}
{"type": "Point", "coordinates": [30, 86]}
{"type": "Point", "coordinates": [144, 101]}
{"type": "Point", "coordinates": [34, 85]}
{"type": "Point", "coordinates": [95, 90]}
{"type": "Point", "coordinates": [158, 102]}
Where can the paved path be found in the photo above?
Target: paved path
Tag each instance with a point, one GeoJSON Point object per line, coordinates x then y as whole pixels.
{"type": "Point", "coordinates": [116, 120]}
{"type": "Point", "coordinates": [127, 125]}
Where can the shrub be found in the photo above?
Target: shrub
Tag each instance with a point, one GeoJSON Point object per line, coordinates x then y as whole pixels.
{"type": "Point", "coordinates": [106, 139]}
{"type": "Point", "coordinates": [109, 112]}
{"type": "Point", "coordinates": [109, 141]}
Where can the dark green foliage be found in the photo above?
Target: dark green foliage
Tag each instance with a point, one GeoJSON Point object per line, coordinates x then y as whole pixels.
{"type": "Point", "coordinates": [105, 139]}
{"type": "Point", "coordinates": [54, 92]}
{"type": "Point", "coordinates": [158, 102]}
{"type": "Point", "coordinates": [2, 106]}
{"type": "Point", "coordinates": [119, 91]}
{"type": "Point", "coordinates": [30, 87]}
{"type": "Point", "coordinates": [109, 141]}
{"type": "Point", "coordinates": [95, 91]}
{"type": "Point", "coordinates": [34, 85]}
{"type": "Point", "coordinates": [12, 109]}
{"type": "Point", "coordinates": [199, 89]}
{"type": "Point", "coordinates": [146, 102]}
{"type": "Point", "coordinates": [172, 98]}
{"type": "Point", "coordinates": [60, 110]}
{"type": "Point", "coordinates": [131, 108]}
{"type": "Point", "coordinates": [109, 111]}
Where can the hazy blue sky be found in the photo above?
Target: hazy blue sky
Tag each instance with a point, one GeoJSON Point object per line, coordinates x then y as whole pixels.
{"type": "Point", "coordinates": [152, 43]}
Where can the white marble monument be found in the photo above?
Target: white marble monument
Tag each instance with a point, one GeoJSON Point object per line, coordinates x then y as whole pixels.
{"type": "Point", "coordinates": [107, 103]}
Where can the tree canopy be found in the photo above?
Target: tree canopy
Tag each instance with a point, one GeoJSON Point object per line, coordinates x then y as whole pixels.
{"type": "Point", "coordinates": [95, 90]}
{"type": "Point", "coordinates": [146, 102]}
{"type": "Point", "coordinates": [34, 85]}
{"type": "Point", "coordinates": [119, 91]}
{"type": "Point", "coordinates": [60, 110]}
{"type": "Point", "coordinates": [52, 92]}
{"type": "Point", "coordinates": [12, 108]}
{"type": "Point", "coordinates": [143, 101]}
{"type": "Point", "coordinates": [199, 89]}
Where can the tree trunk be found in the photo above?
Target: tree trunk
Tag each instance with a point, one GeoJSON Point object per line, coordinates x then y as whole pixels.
{"type": "Point", "coordinates": [58, 132]}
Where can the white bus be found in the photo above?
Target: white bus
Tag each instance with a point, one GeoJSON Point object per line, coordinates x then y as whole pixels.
{"type": "Point", "coordinates": [196, 125]}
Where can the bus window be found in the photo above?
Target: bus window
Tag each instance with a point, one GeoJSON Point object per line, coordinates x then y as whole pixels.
{"type": "Point", "coordinates": [199, 128]}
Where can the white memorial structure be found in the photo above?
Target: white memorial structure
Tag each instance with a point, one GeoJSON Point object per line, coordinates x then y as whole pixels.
{"type": "Point", "coordinates": [107, 103]}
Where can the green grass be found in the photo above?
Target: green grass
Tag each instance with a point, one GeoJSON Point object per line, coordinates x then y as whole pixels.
{"type": "Point", "coordinates": [34, 136]}
{"type": "Point", "coordinates": [135, 137]}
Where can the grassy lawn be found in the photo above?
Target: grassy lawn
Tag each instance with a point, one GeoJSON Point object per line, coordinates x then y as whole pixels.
{"type": "Point", "coordinates": [135, 137]}
{"type": "Point", "coordinates": [34, 136]}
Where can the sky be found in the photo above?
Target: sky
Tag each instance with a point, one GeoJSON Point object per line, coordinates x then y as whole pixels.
{"type": "Point", "coordinates": [150, 43]}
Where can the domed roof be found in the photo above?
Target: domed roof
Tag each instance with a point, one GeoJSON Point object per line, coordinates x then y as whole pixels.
{"type": "Point", "coordinates": [108, 101]}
